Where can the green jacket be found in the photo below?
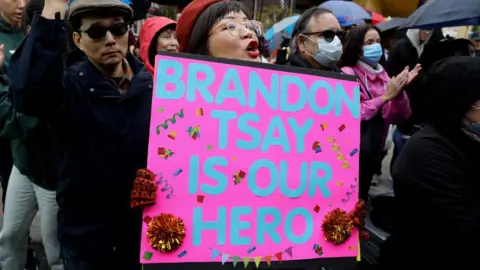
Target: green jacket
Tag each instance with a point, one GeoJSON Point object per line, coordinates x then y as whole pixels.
{"type": "Point", "coordinates": [10, 37]}
{"type": "Point", "coordinates": [32, 145]}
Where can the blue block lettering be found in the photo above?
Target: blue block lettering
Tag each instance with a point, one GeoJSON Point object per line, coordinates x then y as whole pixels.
{"type": "Point", "coordinates": [256, 86]}
{"type": "Point", "coordinates": [220, 226]}
{"type": "Point", "coordinates": [264, 228]}
{"type": "Point", "coordinates": [320, 182]}
{"type": "Point", "coordinates": [293, 193]}
{"type": "Point", "coordinates": [252, 177]}
{"type": "Point", "coordinates": [223, 117]}
{"type": "Point", "coordinates": [194, 84]}
{"type": "Point", "coordinates": [249, 130]}
{"type": "Point", "coordinates": [281, 140]}
{"type": "Point", "coordinates": [286, 82]}
{"type": "Point", "coordinates": [288, 225]}
{"type": "Point", "coordinates": [238, 93]}
{"type": "Point", "coordinates": [211, 172]}
{"type": "Point", "coordinates": [236, 225]}
{"type": "Point", "coordinates": [162, 79]}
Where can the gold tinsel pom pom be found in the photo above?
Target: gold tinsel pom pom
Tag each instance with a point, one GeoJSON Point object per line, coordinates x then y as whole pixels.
{"type": "Point", "coordinates": [166, 232]}
{"type": "Point", "coordinates": [337, 226]}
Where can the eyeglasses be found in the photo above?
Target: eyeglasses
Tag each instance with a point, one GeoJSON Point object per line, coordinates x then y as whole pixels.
{"type": "Point", "coordinates": [99, 31]}
{"type": "Point", "coordinates": [328, 35]}
{"type": "Point", "coordinates": [236, 28]}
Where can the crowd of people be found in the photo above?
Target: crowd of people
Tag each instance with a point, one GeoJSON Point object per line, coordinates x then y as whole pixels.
{"type": "Point", "coordinates": [75, 116]}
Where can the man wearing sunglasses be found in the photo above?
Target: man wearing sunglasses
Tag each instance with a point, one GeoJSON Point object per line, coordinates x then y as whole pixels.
{"type": "Point", "coordinates": [98, 104]}
{"type": "Point", "coordinates": [317, 39]}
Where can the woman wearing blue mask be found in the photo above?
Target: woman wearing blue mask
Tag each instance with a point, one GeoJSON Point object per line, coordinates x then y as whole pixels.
{"type": "Point", "coordinates": [383, 101]}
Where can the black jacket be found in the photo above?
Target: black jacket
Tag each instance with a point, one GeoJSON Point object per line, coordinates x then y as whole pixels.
{"type": "Point", "coordinates": [296, 60]}
{"type": "Point", "coordinates": [437, 192]}
{"type": "Point", "coordinates": [101, 136]}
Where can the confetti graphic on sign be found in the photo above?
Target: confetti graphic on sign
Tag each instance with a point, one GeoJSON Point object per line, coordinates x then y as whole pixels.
{"type": "Point", "coordinates": [164, 153]}
{"type": "Point", "coordinates": [172, 135]}
{"type": "Point", "coordinates": [171, 120]}
{"type": "Point", "coordinates": [200, 198]}
{"type": "Point", "coordinates": [147, 219]}
{"type": "Point", "coordinates": [257, 259]}
{"type": "Point", "coordinates": [199, 112]}
{"type": "Point", "coordinates": [177, 172]}
{"type": "Point", "coordinates": [316, 209]}
{"type": "Point", "coordinates": [160, 109]}
{"type": "Point", "coordinates": [239, 176]}
{"type": "Point", "coordinates": [147, 255]}
{"type": "Point", "coordinates": [181, 254]}
{"type": "Point", "coordinates": [340, 156]}
{"type": "Point", "coordinates": [318, 249]}
{"type": "Point", "coordinates": [354, 151]}
{"type": "Point", "coordinates": [316, 147]}
{"type": "Point", "coordinates": [323, 126]}
{"type": "Point", "coordinates": [166, 187]}
{"type": "Point", "coordinates": [349, 193]}
{"type": "Point", "coordinates": [209, 147]}
{"type": "Point", "coordinates": [341, 128]}
{"type": "Point", "coordinates": [194, 132]}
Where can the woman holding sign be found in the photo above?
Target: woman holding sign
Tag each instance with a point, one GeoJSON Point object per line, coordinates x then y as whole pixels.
{"type": "Point", "coordinates": [383, 101]}
{"type": "Point", "coordinates": [220, 29]}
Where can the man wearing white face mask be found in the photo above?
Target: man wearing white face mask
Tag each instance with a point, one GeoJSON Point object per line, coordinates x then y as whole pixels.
{"type": "Point", "coordinates": [316, 42]}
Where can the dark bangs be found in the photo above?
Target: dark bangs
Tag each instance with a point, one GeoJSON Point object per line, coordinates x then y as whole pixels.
{"type": "Point", "coordinates": [197, 43]}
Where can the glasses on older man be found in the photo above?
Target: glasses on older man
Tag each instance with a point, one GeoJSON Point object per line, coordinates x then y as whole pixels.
{"type": "Point", "coordinates": [236, 28]}
{"type": "Point", "coordinates": [99, 31]}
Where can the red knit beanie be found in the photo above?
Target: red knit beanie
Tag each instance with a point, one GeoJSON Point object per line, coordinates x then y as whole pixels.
{"type": "Point", "coordinates": [188, 18]}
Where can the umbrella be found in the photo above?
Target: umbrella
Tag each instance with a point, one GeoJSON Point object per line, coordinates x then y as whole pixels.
{"type": "Point", "coordinates": [391, 24]}
{"type": "Point", "coordinates": [281, 30]}
{"type": "Point", "coordinates": [376, 17]}
{"type": "Point", "coordinates": [348, 9]}
{"type": "Point", "coordinates": [445, 13]}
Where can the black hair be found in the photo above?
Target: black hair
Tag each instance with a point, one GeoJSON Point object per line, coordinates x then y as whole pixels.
{"type": "Point", "coordinates": [29, 11]}
{"type": "Point", "coordinates": [302, 22]}
{"type": "Point", "coordinates": [152, 50]}
{"type": "Point", "coordinates": [197, 43]}
{"type": "Point", "coordinates": [353, 46]}
{"type": "Point", "coordinates": [452, 87]}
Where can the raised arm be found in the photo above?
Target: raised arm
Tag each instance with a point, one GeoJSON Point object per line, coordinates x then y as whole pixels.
{"type": "Point", "coordinates": [36, 68]}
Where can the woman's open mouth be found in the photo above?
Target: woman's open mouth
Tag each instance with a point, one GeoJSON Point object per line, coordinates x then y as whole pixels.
{"type": "Point", "coordinates": [252, 49]}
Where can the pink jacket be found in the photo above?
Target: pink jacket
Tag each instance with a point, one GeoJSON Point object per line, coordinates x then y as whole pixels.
{"type": "Point", "coordinates": [395, 111]}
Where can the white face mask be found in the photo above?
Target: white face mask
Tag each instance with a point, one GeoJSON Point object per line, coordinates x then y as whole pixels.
{"type": "Point", "coordinates": [328, 53]}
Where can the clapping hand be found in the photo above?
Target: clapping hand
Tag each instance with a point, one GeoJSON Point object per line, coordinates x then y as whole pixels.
{"type": "Point", "coordinates": [413, 74]}
{"type": "Point", "coordinates": [395, 85]}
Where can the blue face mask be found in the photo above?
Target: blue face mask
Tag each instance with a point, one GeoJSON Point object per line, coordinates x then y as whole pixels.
{"type": "Point", "coordinates": [328, 53]}
{"type": "Point", "coordinates": [372, 53]}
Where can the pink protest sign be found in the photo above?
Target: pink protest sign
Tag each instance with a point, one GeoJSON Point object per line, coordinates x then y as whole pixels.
{"type": "Point", "coordinates": [251, 157]}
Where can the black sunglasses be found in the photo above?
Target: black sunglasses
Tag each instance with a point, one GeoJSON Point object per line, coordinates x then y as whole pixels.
{"type": "Point", "coordinates": [329, 35]}
{"type": "Point", "coordinates": [99, 31]}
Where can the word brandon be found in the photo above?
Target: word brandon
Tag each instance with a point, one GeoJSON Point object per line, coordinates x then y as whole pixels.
{"type": "Point", "coordinates": [172, 72]}
{"type": "Point", "coordinates": [309, 179]}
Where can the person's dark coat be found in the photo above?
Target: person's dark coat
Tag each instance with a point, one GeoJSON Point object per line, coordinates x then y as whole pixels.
{"type": "Point", "coordinates": [101, 135]}
{"type": "Point", "coordinates": [416, 91]}
{"type": "Point", "coordinates": [30, 139]}
{"type": "Point", "coordinates": [296, 60]}
{"type": "Point", "coordinates": [436, 182]}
